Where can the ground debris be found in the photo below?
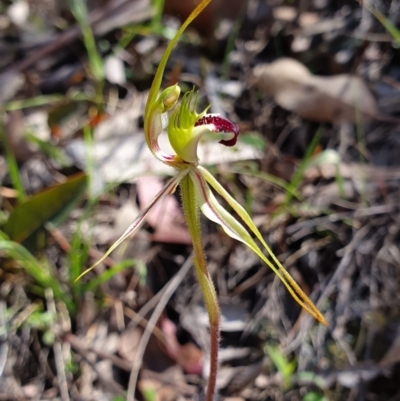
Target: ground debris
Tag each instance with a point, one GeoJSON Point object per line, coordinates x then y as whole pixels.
{"type": "Point", "coordinates": [314, 88]}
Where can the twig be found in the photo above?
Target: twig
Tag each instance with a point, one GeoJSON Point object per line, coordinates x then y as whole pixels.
{"type": "Point", "coordinates": [66, 246]}
{"type": "Point", "coordinates": [58, 356]}
{"type": "Point", "coordinates": [3, 338]}
{"type": "Point", "coordinates": [308, 320]}
{"type": "Point", "coordinates": [170, 288]}
{"type": "Point", "coordinates": [74, 32]}
{"type": "Point", "coordinates": [138, 318]}
{"type": "Point", "coordinates": [77, 344]}
{"type": "Point", "coordinates": [110, 384]}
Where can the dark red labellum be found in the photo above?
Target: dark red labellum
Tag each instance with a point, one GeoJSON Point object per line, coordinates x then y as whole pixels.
{"type": "Point", "coordinates": [221, 125]}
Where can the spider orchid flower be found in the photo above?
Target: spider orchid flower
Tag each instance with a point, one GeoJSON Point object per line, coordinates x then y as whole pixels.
{"type": "Point", "coordinates": [185, 127]}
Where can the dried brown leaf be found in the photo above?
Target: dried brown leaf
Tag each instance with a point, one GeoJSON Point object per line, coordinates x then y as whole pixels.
{"type": "Point", "coordinates": [188, 356]}
{"type": "Point", "coordinates": [336, 98]}
{"type": "Point", "coordinates": [129, 343]}
{"type": "Point", "coordinates": [166, 217]}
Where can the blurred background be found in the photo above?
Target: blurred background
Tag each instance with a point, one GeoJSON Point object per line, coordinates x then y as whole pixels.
{"type": "Point", "coordinates": [314, 86]}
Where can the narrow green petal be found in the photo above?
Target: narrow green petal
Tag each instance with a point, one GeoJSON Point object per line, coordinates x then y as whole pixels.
{"type": "Point", "coordinates": [169, 188]}
{"type": "Point", "coordinates": [215, 212]}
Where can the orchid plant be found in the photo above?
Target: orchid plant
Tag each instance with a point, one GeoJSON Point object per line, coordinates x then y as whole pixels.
{"type": "Point", "coordinates": [185, 127]}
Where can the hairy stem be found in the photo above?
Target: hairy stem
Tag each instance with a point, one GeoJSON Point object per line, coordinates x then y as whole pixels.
{"type": "Point", "coordinates": [192, 215]}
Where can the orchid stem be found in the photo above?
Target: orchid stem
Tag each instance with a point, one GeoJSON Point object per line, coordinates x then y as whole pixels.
{"type": "Point", "coordinates": [192, 214]}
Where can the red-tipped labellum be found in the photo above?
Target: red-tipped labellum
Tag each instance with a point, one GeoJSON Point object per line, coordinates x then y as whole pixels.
{"type": "Point", "coordinates": [221, 125]}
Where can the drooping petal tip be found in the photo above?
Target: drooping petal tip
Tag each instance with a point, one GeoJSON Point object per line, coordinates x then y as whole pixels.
{"type": "Point", "coordinates": [220, 125]}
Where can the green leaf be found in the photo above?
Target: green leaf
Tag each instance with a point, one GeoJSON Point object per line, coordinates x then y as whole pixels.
{"type": "Point", "coordinates": [313, 396]}
{"type": "Point", "coordinates": [41, 320]}
{"type": "Point", "coordinates": [149, 394]}
{"type": "Point", "coordinates": [50, 205]}
{"type": "Point", "coordinates": [253, 139]}
{"type": "Point", "coordinates": [284, 366]}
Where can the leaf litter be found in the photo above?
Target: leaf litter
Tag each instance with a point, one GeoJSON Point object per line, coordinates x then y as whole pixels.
{"type": "Point", "coordinates": [339, 235]}
{"type": "Point", "coordinates": [335, 99]}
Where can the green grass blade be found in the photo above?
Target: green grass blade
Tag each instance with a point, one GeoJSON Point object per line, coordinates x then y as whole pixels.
{"type": "Point", "coordinates": [12, 166]}
{"type": "Point", "coordinates": [92, 285]}
{"type": "Point", "coordinates": [389, 26]}
{"type": "Point", "coordinates": [80, 13]}
{"type": "Point", "coordinates": [272, 179]}
{"type": "Point", "coordinates": [77, 256]}
{"type": "Point", "coordinates": [38, 270]}
{"type": "Point", "coordinates": [44, 100]}
{"type": "Point", "coordinates": [298, 176]}
{"type": "Point", "coordinates": [158, 6]}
